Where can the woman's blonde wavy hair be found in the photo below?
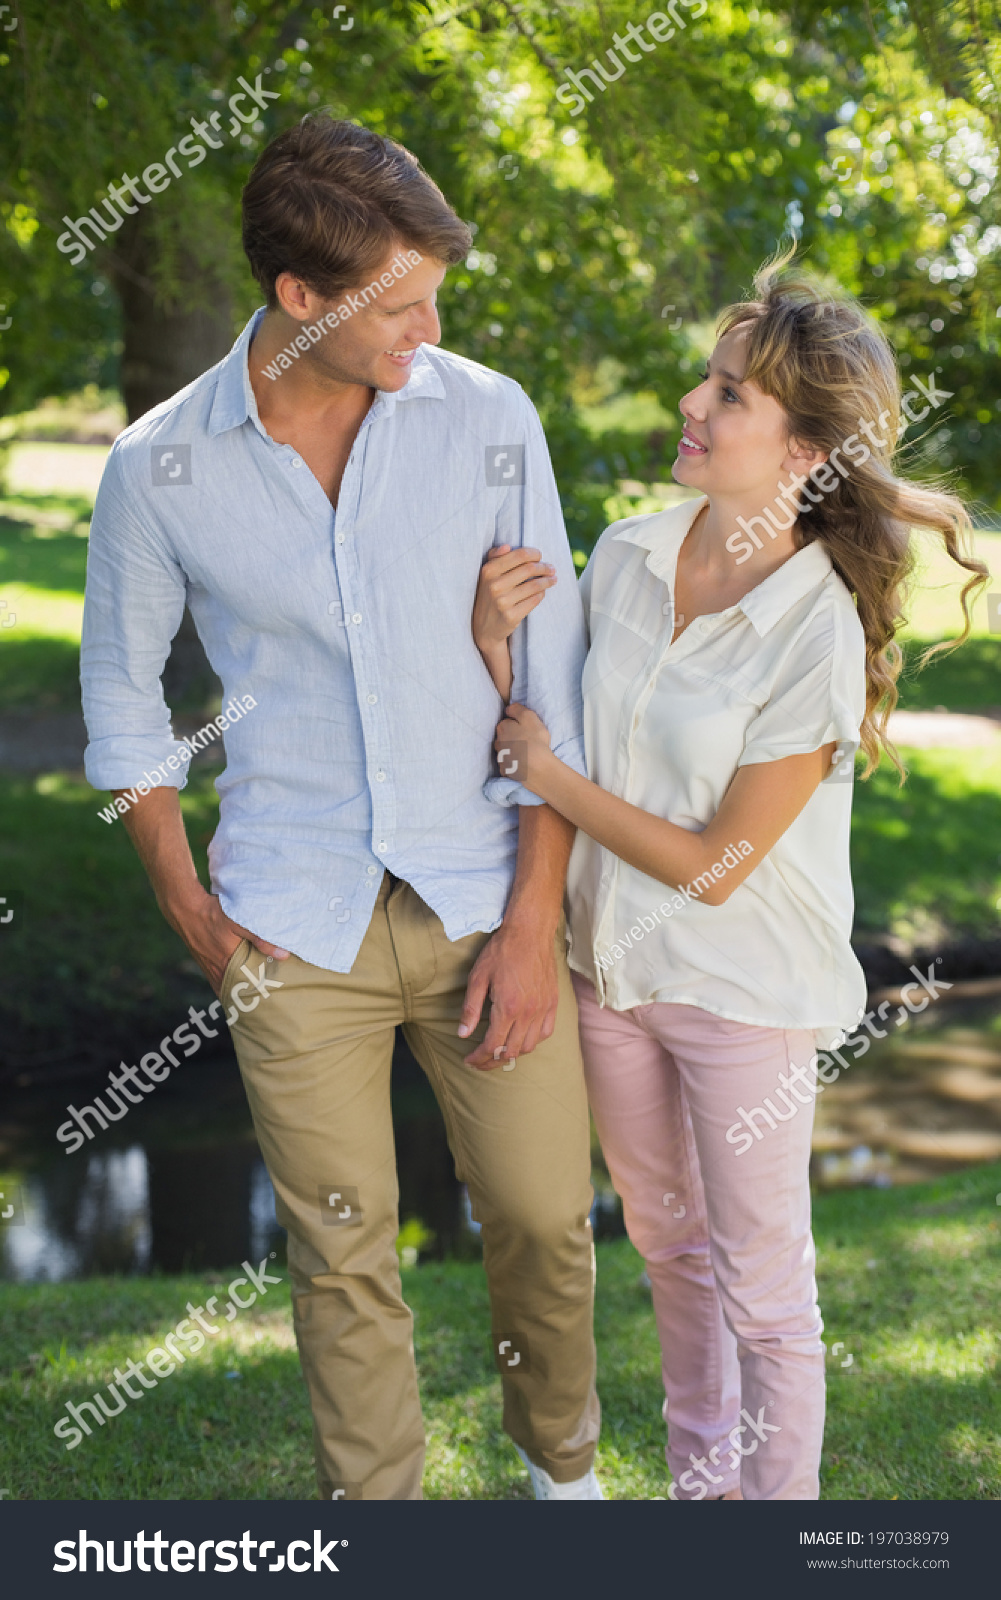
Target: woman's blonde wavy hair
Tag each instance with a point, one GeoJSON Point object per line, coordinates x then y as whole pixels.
{"type": "Point", "coordinates": [829, 367]}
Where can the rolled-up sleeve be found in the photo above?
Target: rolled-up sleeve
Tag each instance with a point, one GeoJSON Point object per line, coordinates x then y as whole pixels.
{"type": "Point", "coordinates": [549, 646]}
{"type": "Point", "coordinates": [132, 609]}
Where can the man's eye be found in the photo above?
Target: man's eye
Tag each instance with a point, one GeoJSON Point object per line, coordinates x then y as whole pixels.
{"type": "Point", "coordinates": [729, 394]}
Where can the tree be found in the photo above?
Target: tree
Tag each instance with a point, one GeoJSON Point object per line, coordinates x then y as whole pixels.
{"type": "Point", "coordinates": [599, 222]}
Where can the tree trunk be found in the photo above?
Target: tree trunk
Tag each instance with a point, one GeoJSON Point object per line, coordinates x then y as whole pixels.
{"type": "Point", "coordinates": [165, 348]}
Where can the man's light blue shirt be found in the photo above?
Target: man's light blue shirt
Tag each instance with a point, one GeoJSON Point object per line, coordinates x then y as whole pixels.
{"type": "Point", "coordinates": [370, 743]}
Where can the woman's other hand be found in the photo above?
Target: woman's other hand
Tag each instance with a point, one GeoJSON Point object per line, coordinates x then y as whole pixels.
{"type": "Point", "coordinates": [512, 583]}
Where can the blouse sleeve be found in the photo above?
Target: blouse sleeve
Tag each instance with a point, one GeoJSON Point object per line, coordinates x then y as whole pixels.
{"type": "Point", "coordinates": [818, 696]}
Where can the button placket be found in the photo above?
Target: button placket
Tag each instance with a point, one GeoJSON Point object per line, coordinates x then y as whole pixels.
{"type": "Point", "coordinates": [362, 646]}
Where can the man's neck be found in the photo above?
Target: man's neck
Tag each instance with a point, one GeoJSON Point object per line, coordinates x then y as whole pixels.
{"type": "Point", "coordinates": [301, 395]}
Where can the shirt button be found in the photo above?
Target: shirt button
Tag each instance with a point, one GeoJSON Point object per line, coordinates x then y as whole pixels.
{"type": "Point", "coordinates": [296, 462]}
{"type": "Point", "coordinates": [382, 847]}
{"type": "Point", "coordinates": [380, 777]}
{"type": "Point", "coordinates": [356, 617]}
{"type": "Point", "coordinates": [371, 871]}
{"type": "Point", "coordinates": [340, 538]}
{"type": "Point", "coordinates": [372, 698]}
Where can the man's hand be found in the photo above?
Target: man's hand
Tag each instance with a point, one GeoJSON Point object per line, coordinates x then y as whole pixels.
{"type": "Point", "coordinates": [156, 829]}
{"type": "Point", "coordinates": [518, 975]}
{"type": "Point", "coordinates": [212, 937]}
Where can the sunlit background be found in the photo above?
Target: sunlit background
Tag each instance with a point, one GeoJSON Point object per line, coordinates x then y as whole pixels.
{"type": "Point", "coordinates": [605, 243]}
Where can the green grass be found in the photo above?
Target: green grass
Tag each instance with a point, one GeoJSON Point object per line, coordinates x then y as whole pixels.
{"type": "Point", "coordinates": [909, 1282]}
{"type": "Point", "coordinates": [42, 573]}
{"type": "Point", "coordinates": [925, 857]}
{"type": "Point", "coordinates": [91, 955]}
{"type": "Point", "coordinates": [966, 679]}
{"type": "Point", "coordinates": [934, 611]}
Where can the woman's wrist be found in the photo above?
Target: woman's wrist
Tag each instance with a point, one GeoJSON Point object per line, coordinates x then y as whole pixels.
{"type": "Point", "coordinates": [543, 770]}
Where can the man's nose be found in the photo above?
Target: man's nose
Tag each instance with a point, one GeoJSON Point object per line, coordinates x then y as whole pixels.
{"type": "Point", "coordinates": [429, 328]}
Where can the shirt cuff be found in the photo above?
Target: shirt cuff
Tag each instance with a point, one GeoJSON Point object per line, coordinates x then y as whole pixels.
{"type": "Point", "coordinates": [505, 792]}
{"type": "Point", "coordinates": [124, 763]}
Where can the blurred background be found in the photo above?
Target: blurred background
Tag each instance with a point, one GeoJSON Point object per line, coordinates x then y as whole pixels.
{"type": "Point", "coordinates": [605, 243]}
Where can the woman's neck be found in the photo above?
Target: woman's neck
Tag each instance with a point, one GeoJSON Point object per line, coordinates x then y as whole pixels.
{"type": "Point", "coordinates": [731, 544]}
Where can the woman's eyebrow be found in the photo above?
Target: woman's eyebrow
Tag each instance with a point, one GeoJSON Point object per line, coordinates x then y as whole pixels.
{"type": "Point", "coordinates": [721, 372]}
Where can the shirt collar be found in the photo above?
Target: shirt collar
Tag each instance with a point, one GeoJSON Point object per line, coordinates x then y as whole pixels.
{"type": "Point", "coordinates": [234, 401]}
{"type": "Point", "coordinates": [764, 605]}
{"type": "Point", "coordinates": [768, 603]}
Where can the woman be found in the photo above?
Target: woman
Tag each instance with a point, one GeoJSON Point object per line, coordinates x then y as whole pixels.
{"type": "Point", "coordinates": [741, 649]}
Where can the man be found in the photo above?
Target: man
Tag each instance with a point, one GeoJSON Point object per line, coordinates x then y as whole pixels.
{"type": "Point", "coordinates": [323, 499]}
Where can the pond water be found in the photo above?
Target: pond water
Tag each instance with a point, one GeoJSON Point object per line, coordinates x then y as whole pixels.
{"type": "Point", "coordinates": [180, 1184]}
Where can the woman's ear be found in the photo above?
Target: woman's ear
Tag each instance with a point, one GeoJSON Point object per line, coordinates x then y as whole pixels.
{"type": "Point", "coordinates": [801, 457]}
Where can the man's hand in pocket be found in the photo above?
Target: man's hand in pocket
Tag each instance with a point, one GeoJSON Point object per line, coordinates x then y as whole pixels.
{"type": "Point", "coordinates": [212, 938]}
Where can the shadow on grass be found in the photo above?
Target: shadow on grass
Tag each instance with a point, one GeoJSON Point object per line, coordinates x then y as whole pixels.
{"type": "Point", "coordinates": [45, 558]}
{"type": "Point", "coordinates": [73, 872]}
{"type": "Point", "coordinates": [968, 679]}
{"type": "Point", "coordinates": [931, 847]}
{"type": "Point", "coordinates": [40, 674]}
{"type": "Point", "coordinates": [910, 1437]}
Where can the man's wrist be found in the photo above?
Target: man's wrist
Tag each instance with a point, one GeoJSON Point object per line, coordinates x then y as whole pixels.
{"type": "Point", "coordinates": [182, 905]}
{"type": "Point", "coordinates": [532, 923]}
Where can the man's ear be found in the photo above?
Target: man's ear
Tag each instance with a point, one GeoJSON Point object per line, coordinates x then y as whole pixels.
{"type": "Point", "coordinates": [292, 295]}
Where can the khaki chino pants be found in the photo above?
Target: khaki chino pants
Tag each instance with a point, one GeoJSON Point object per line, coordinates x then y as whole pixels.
{"type": "Point", "coordinates": [315, 1058]}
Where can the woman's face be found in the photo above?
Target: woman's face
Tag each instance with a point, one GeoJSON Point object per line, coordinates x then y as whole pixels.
{"type": "Point", "coordinates": [735, 441]}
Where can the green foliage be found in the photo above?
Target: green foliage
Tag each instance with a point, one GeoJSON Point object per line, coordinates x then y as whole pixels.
{"type": "Point", "coordinates": [872, 135]}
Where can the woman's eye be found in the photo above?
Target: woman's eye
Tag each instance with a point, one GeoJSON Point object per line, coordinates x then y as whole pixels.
{"type": "Point", "coordinates": [704, 376]}
{"type": "Point", "coordinates": [728, 393]}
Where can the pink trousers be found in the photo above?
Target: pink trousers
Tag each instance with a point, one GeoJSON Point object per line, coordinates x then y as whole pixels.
{"type": "Point", "coordinates": [724, 1228]}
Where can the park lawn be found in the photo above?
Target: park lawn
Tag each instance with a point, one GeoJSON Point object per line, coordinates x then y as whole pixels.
{"type": "Point", "coordinates": [925, 863]}
{"type": "Point", "coordinates": [909, 1282]}
{"type": "Point", "coordinates": [92, 956]}
{"type": "Point", "coordinates": [42, 571]}
{"type": "Point", "coordinates": [935, 611]}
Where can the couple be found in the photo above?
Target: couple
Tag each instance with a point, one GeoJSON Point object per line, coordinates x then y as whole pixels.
{"type": "Point", "coordinates": [368, 534]}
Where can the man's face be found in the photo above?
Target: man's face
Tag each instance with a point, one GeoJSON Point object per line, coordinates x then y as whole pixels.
{"type": "Point", "coordinates": [375, 346]}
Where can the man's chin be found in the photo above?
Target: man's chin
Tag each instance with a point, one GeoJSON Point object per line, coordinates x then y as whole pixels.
{"type": "Point", "coordinates": [392, 375]}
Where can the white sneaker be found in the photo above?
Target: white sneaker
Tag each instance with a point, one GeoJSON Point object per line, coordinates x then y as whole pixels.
{"type": "Point", "coordinates": [586, 1488]}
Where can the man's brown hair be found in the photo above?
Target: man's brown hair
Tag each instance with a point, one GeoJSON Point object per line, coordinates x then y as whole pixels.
{"type": "Point", "coordinates": [328, 200]}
